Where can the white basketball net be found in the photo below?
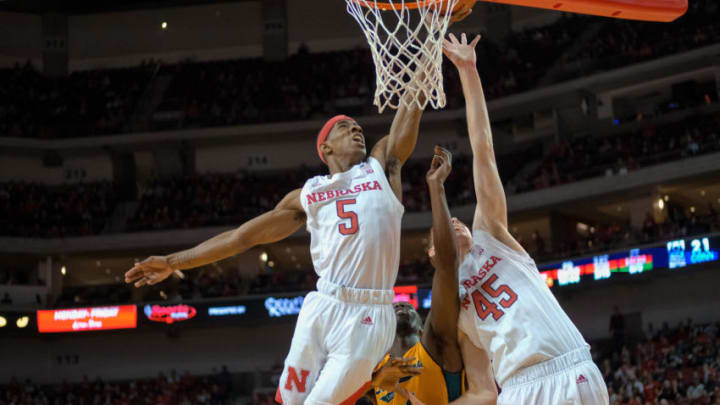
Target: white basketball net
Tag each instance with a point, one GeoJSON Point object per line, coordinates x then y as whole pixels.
{"type": "Point", "coordinates": [406, 47]}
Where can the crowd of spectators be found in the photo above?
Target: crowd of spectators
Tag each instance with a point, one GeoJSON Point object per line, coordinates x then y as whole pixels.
{"type": "Point", "coordinates": [622, 42]}
{"type": "Point", "coordinates": [32, 210]}
{"type": "Point", "coordinates": [215, 199]}
{"type": "Point", "coordinates": [669, 367]}
{"type": "Point", "coordinates": [28, 209]}
{"type": "Point", "coordinates": [170, 389]}
{"type": "Point", "coordinates": [306, 85]}
{"type": "Point", "coordinates": [255, 91]}
{"type": "Point", "coordinates": [83, 103]}
{"type": "Point", "coordinates": [580, 158]}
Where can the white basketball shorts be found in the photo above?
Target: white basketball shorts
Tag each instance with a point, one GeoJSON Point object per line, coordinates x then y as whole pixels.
{"type": "Point", "coordinates": [341, 335]}
{"type": "Point", "coordinates": [571, 379]}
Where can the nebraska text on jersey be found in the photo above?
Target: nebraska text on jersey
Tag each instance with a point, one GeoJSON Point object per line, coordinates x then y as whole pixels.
{"type": "Point", "coordinates": [484, 270]}
{"type": "Point", "coordinates": [327, 195]}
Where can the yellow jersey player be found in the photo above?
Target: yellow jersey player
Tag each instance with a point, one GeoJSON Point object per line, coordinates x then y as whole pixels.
{"type": "Point", "coordinates": [433, 346]}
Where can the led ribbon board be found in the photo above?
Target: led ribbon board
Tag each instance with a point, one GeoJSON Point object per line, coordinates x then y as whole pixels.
{"type": "Point", "coordinates": [675, 254]}
{"type": "Point", "coordinates": [87, 319]}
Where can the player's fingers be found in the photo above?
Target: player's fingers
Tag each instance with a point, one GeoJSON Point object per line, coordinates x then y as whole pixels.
{"type": "Point", "coordinates": [142, 282]}
{"type": "Point", "coordinates": [475, 41]}
{"type": "Point", "coordinates": [447, 155]}
{"type": "Point", "coordinates": [414, 370]}
{"type": "Point", "coordinates": [463, 39]}
{"type": "Point", "coordinates": [401, 361]}
{"type": "Point", "coordinates": [453, 38]}
{"type": "Point", "coordinates": [153, 281]}
{"type": "Point", "coordinates": [444, 154]}
{"type": "Point", "coordinates": [133, 274]}
{"type": "Point", "coordinates": [133, 278]}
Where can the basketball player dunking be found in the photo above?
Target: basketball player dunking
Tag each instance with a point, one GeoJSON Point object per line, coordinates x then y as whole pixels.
{"type": "Point", "coordinates": [511, 326]}
{"type": "Point", "coordinates": [353, 216]}
{"type": "Point", "coordinates": [433, 346]}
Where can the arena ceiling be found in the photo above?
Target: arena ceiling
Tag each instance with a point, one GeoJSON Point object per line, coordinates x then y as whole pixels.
{"type": "Point", "coordinates": [74, 7]}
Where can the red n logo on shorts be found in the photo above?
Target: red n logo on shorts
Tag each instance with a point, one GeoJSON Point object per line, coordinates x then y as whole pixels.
{"type": "Point", "coordinates": [300, 384]}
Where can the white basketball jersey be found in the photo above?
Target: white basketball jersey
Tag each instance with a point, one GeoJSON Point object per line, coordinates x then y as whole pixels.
{"type": "Point", "coordinates": [509, 311]}
{"type": "Point", "coordinates": [354, 220]}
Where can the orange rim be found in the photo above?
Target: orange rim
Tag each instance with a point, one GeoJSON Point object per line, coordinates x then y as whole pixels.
{"type": "Point", "coordinates": [410, 5]}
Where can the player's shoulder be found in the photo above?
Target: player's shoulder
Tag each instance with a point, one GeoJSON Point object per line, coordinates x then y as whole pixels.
{"type": "Point", "coordinates": [313, 182]}
{"type": "Point", "coordinates": [485, 242]}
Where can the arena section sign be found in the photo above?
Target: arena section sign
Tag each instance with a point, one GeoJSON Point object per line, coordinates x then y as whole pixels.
{"type": "Point", "coordinates": [87, 319]}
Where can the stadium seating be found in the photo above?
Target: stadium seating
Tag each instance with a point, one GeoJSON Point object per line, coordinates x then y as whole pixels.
{"type": "Point", "coordinates": [208, 94]}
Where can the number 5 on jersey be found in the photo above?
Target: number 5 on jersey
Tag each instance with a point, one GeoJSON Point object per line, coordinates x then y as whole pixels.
{"type": "Point", "coordinates": [485, 307]}
{"type": "Point", "coordinates": [343, 213]}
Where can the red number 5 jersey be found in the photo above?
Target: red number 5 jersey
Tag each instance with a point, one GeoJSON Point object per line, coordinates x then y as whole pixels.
{"type": "Point", "coordinates": [508, 310]}
{"type": "Point", "coordinates": [354, 220]}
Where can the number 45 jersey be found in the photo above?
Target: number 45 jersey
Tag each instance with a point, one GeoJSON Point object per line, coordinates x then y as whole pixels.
{"type": "Point", "coordinates": [508, 310]}
{"type": "Point", "coordinates": [354, 220]}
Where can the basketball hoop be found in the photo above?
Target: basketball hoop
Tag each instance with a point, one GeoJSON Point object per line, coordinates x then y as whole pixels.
{"type": "Point", "coordinates": [405, 39]}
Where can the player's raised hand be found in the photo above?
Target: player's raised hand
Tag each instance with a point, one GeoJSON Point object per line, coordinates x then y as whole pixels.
{"type": "Point", "coordinates": [440, 167]}
{"type": "Point", "coordinates": [150, 271]}
{"type": "Point", "coordinates": [460, 53]}
{"type": "Point", "coordinates": [388, 377]}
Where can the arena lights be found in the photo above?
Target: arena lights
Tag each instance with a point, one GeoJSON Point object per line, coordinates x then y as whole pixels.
{"type": "Point", "coordinates": [164, 25]}
{"type": "Point", "coordinates": [22, 322]}
{"type": "Point", "coordinates": [3, 321]}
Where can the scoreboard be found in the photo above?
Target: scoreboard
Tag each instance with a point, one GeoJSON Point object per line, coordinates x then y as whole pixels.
{"type": "Point", "coordinates": [672, 255]}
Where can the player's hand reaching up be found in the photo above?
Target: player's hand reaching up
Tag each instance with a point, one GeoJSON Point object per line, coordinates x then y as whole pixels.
{"type": "Point", "coordinates": [150, 271]}
{"type": "Point", "coordinates": [388, 377]}
{"type": "Point", "coordinates": [460, 53]}
{"type": "Point", "coordinates": [440, 167]}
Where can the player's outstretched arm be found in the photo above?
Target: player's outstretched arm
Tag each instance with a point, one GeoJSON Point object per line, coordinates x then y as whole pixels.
{"type": "Point", "coordinates": [286, 218]}
{"type": "Point", "coordinates": [491, 208]}
{"type": "Point", "coordinates": [440, 335]}
{"type": "Point", "coordinates": [393, 150]}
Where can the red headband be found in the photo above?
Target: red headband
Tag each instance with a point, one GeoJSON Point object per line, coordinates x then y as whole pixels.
{"type": "Point", "coordinates": [325, 131]}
